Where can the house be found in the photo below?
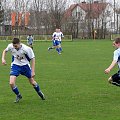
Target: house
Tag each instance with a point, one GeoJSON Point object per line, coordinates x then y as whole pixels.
{"type": "Point", "coordinates": [94, 16]}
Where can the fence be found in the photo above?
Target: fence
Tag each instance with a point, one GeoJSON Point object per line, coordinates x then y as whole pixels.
{"type": "Point", "coordinates": [36, 37]}
{"type": "Point", "coordinates": [113, 36]}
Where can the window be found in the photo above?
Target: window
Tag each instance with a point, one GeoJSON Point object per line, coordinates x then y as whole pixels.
{"type": "Point", "coordinates": [112, 24]}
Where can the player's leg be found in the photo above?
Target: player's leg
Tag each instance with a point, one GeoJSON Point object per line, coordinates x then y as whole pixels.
{"type": "Point", "coordinates": [37, 88]}
{"type": "Point", "coordinates": [52, 47]}
{"type": "Point", "coordinates": [114, 79]}
{"type": "Point", "coordinates": [110, 80]}
{"type": "Point", "coordinates": [13, 74]}
{"type": "Point", "coordinates": [49, 48]}
{"type": "Point", "coordinates": [60, 47]}
{"type": "Point", "coordinates": [14, 88]}
{"type": "Point", "coordinates": [26, 71]}
{"type": "Point", "coordinates": [58, 50]}
{"type": "Point", "coordinates": [31, 45]}
{"type": "Point", "coordinates": [55, 45]}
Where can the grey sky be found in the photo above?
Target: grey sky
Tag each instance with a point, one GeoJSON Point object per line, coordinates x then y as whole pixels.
{"type": "Point", "coordinates": [73, 1]}
{"type": "Point", "coordinates": [111, 1]}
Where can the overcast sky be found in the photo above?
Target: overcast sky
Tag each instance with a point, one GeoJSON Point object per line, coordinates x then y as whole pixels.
{"type": "Point", "coordinates": [118, 1]}
{"type": "Point", "coordinates": [111, 1]}
{"type": "Point", "coordinates": [73, 1]}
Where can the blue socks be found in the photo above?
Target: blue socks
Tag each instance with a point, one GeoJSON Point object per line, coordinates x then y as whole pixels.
{"type": "Point", "coordinates": [15, 90]}
{"type": "Point", "coordinates": [37, 88]}
{"type": "Point", "coordinates": [60, 48]}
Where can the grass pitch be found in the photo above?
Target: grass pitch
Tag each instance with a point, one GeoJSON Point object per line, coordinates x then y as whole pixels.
{"type": "Point", "coordinates": [74, 84]}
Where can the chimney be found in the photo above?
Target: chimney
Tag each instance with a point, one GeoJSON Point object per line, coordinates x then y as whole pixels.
{"type": "Point", "coordinates": [96, 2]}
{"type": "Point", "coordinates": [83, 2]}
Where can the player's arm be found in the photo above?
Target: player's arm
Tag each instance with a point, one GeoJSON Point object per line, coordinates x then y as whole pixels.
{"type": "Point", "coordinates": [33, 66]}
{"type": "Point", "coordinates": [31, 57]}
{"type": "Point", "coordinates": [32, 39]}
{"type": "Point", "coordinates": [62, 35]}
{"type": "Point", "coordinates": [27, 40]}
{"type": "Point", "coordinates": [3, 57]}
{"type": "Point", "coordinates": [111, 66]}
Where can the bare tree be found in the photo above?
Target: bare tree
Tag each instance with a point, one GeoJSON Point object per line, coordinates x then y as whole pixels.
{"type": "Point", "coordinates": [38, 13]}
{"type": "Point", "coordinates": [47, 15]}
{"type": "Point", "coordinates": [56, 10]}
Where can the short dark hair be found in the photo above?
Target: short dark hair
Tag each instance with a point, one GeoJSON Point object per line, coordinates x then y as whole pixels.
{"type": "Point", "coordinates": [117, 40]}
{"type": "Point", "coordinates": [16, 41]}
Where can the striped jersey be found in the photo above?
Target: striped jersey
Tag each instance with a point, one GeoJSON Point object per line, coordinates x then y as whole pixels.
{"type": "Point", "coordinates": [22, 56]}
{"type": "Point", "coordinates": [58, 35]}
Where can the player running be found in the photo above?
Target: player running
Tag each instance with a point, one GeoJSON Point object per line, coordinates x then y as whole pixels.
{"type": "Point", "coordinates": [57, 35]}
{"type": "Point", "coordinates": [115, 79]}
{"type": "Point", "coordinates": [60, 35]}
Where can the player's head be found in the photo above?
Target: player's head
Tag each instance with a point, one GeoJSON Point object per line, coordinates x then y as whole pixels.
{"type": "Point", "coordinates": [116, 42]}
{"type": "Point", "coordinates": [57, 29]}
{"type": "Point", "coordinates": [16, 43]}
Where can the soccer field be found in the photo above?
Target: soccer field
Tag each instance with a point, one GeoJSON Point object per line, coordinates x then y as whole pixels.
{"type": "Point", "coordinates": [74, 84]}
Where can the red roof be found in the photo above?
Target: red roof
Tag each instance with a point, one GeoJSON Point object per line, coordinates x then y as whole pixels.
{"type": "Point", "coordinates": [93, 10]}
{"type": "Point", "coordinates": [68, 12]}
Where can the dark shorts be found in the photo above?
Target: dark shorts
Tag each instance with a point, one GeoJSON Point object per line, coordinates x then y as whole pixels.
{"type": "Point", "coordinates": [56, 43]}
{"type": "Point", "coordinates": [30, 44]}
{"type": "Point", "coordinates": [16, 70]}
{"type": "Point", "coordinates": [116, 77]}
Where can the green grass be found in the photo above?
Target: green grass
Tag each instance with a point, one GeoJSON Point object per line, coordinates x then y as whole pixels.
{"type": "Point", "coordinates": [74, 84]}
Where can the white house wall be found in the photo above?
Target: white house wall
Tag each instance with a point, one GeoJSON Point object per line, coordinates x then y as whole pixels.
{"type": "Point", "coordinates": [107, 17]}
{"type": "Point", "coordinates": [81, 13]}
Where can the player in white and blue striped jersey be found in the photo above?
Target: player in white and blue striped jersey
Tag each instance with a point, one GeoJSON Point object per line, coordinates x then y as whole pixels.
{"type": "Point", "coordinates": [57, 35]}
{"type": "Point", "coordinates": [60, 35]}
{"type": "Point", "coordinates": [21, 57]}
